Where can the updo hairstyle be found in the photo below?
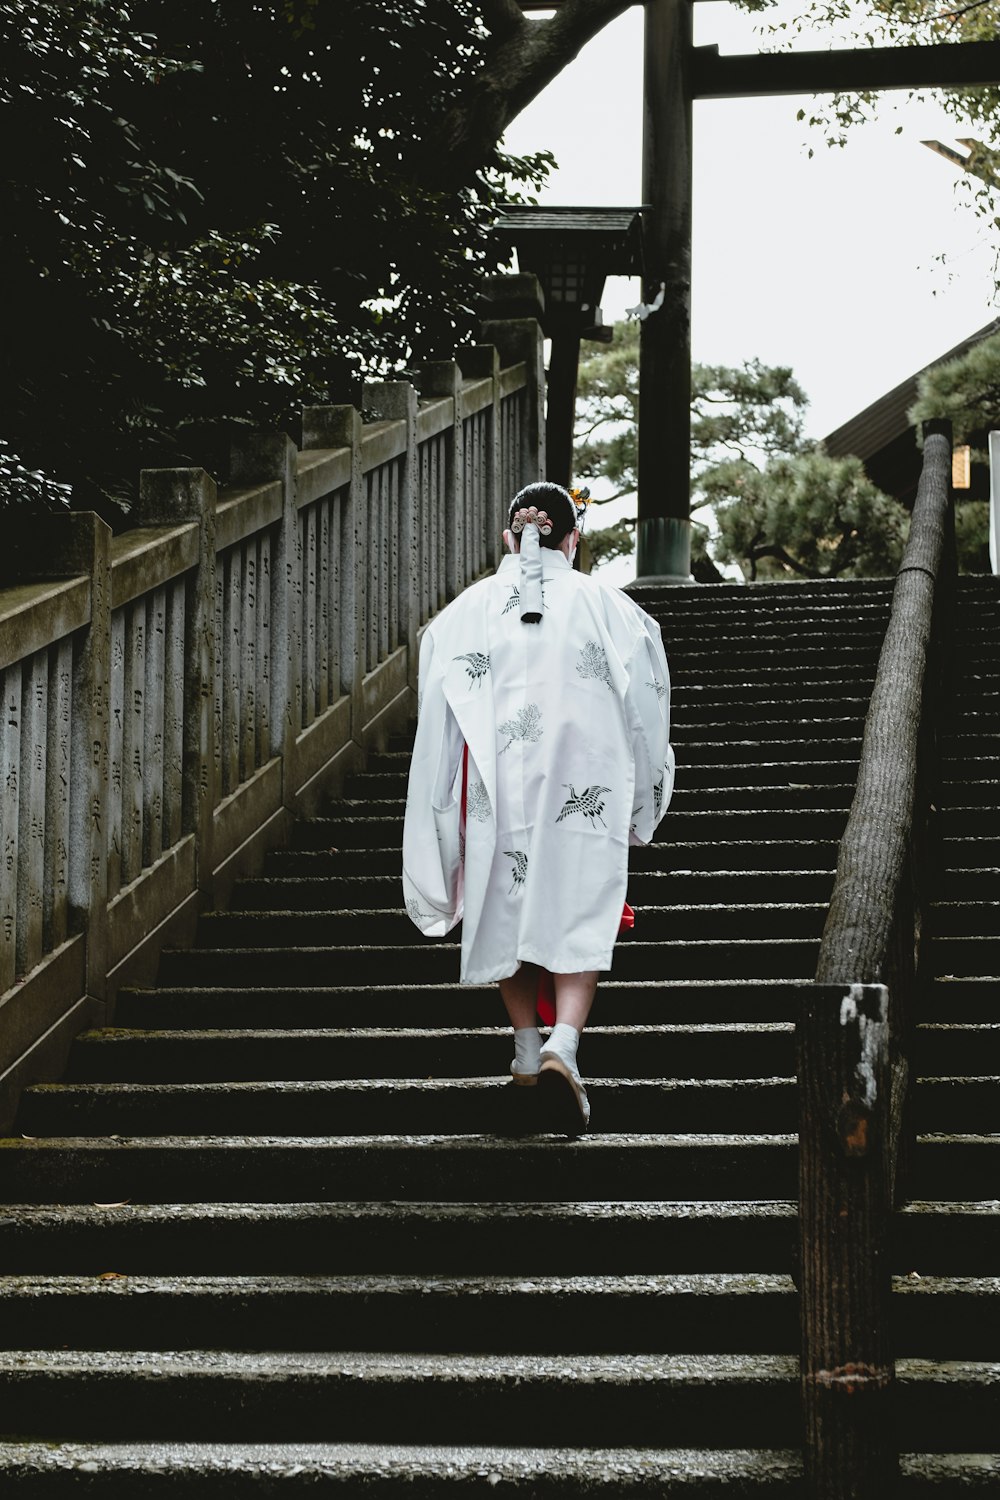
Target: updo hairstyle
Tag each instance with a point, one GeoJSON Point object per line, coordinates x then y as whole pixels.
{"type": "Point", "coordinates": [553, 499]}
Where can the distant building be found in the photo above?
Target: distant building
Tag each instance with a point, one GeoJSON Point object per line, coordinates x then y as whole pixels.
{"type": "Point", "coordinates": [883, 437]}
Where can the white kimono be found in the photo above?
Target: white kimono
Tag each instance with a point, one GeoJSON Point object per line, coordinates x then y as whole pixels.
{"type": "Point", "coordinates": [567, 723]}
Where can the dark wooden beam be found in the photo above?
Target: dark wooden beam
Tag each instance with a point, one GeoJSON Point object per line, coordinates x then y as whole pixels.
{"type": "Point", "coordinates": [945, 65]}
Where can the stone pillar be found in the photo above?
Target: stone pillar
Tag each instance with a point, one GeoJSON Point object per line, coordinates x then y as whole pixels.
{"type": "Point", "coordinates": [396, 401]}
{"type": "Point", "coordinates": [64, 546]}
{"type": "Point", "coordinates": [340, 427]}
{"type": "Point", "coordinates": [482, 362]}
{"type": "Point", "coordinates": [169, 497]}
{"type": "Point", "coordinates": [258, 458]}
{"type": "Point", "coordinates": [444, 378]}
{"type": "Point", "coordinates": [513, 308]}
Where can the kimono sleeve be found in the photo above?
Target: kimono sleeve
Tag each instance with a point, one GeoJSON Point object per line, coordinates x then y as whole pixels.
{"type": "Point", "coordinates": [432, 853]}
{"type": "Point", "coordinates": [647, 710]}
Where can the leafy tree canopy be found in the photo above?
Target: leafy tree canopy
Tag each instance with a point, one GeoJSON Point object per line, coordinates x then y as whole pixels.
{"type": "Point", "coordinates": [224, 209]}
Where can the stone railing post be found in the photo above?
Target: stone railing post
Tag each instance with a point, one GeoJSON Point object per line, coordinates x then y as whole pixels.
{"type": "Point", "coordinates": [482, 362]}
{"type": "Point", "coordinates": [396, 401]}
{"type": "Point", "coordinates": [340, 427]}
{"type": "Point", "coordinates": [513, 308]}
{"type": "Point", "coordinates": [64, 546]}
{"type": "Point", "coordinates": [259, 458]}
{"type": "Point", "coordinates": [443, 378]}
{"type": "Point", "coordinates": [169, 497]}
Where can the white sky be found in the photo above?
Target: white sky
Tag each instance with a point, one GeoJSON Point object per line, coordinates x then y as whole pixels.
{"type": "Point", "coordinates": [825, 264]}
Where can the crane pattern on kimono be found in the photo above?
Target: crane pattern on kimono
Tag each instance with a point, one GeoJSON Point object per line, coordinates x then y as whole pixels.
{"type": "Point", "coordinates": [659, 688]}
{"type": "Point", "coordinates": [589, 802]}
{"type": "Point", "coordinates": [513, 599]}
{"type": "Point", "coordinates": [477, 664]}
{"type": "Point", "coordinates": [519, 870]}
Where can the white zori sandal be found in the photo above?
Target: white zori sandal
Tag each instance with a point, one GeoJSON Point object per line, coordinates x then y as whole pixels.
{"type": "Point", "coordinates": [565, 1093]}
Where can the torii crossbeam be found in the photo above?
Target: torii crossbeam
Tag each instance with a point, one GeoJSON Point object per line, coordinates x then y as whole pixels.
{"type": "Point", "coordinates": [675, 73]}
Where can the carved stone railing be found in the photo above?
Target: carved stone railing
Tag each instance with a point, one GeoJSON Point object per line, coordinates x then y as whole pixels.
{"type": "Point", "coordinates": [174, 695]}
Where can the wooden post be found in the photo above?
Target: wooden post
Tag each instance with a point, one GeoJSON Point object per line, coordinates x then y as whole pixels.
{"type": "Point", "coordinates": [664, 467]}
{"type": "Point", "coordinates": [168, 497]}
{"type": "Point", "coordinates": [845, 1206]}
{"type": "Point", "coordinates": [560, 412]}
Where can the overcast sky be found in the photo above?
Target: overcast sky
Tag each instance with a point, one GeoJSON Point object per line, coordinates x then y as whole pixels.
{"type": "Point", "coordinates": [827, 264]}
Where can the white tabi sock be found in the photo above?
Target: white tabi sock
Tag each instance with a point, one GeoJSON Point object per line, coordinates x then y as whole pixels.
{"type": "Point", "coordinates": [527, 1044]}
{"type": "Point", "coordinates": [563, 1041]}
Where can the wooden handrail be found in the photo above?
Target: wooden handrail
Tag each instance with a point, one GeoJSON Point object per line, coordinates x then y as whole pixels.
{"type": "Point", "coordinates": [854, 1033]}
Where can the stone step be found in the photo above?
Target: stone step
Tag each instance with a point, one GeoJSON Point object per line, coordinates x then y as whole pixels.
{"type": "Point", "coordinates": [219, 1471]}
{"type": "Point", "coordinates": [391, 785]}
{"type": "Point", "coordinates": [967, 918]}
{"type": "Point", "coordinates": [954, 998]}
{"type": "Point", "coordinates": [585, 1238]}
{"type": "Point", "coordinates": [467, 1105]}
{"type": "Point", "coordinates": [432, 1238]}
{"type": "Point", "coordinates": [701, 1313]}
{"type": "Point", "coordinates": [437, 963]}
{"type": "Point", "coordinates": [934, 1318]}
{"type": "Point", "coordinates": [708, 1399]}
{"type": "Point", "coordinates": [744, 823]}
{"type": "Point", "coordinates": [645, 888]}
{"type": "Point", "coordinates": [199, 1169]}
{"type": "Point", "coordinates": [969, 822]}
{"type": "Point", "coordinates": [392, 927]}
{"type": "Point", "coordinates": [677, 855]}
{"type": "Point", "coordinates": [972, 956]}
{"type": "Point", "coordinates": [546, 1399]}
{"type": "Point", "coordinates": [644, 1002]}
{"type": "Point", "coordinates": [222, 1471]}
{"type": "Point", "coordinates": [809, 796]}
{"type": "Point", "coordinates": [685, 1051]}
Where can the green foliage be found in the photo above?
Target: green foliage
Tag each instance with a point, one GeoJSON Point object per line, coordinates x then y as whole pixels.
{"type": "Point", "coordinates": [965, 390]}
{"type": "Point", "coordinates": [884, 23]}
{"type": "Point", "coordinates": [735, 410]}
{"type": "Point", "coordinates": [609, 542]}
{"type": "Point", "coordinates": [226, 212]}
{"type": "Point", "coordinates": [780, 505]}
{"type": "Point", "coordinates": [806, 514]}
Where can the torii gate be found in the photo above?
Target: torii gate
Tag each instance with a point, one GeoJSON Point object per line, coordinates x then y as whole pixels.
{"type": "Point", "coordinates": [675, 74]}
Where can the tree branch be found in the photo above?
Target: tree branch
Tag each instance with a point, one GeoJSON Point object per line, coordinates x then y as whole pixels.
{"type": "Point", "coordinates": [518, 68]}
{"type": "Point", "coordinates": [502, 17]}
{"type": "Point", "coordinates": [756, 553]}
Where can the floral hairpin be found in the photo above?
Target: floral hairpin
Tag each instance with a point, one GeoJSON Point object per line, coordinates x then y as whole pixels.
{"type": "Point", "coordinates": [580, 499]}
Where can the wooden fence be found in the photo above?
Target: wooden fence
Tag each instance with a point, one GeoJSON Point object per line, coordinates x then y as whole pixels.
{"type": "Point", "coordinates": [174, 695]}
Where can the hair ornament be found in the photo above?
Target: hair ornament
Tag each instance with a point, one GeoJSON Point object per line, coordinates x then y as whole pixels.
{"type": "Point", "coordinates": [531, 516]}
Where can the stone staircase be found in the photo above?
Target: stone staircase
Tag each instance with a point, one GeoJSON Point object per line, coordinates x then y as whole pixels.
{"type": "Point", "coordinates": [286, 1226]}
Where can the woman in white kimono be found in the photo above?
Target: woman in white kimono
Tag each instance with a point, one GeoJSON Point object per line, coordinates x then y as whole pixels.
{"type": "Point", "coordinates": [557, 687]}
